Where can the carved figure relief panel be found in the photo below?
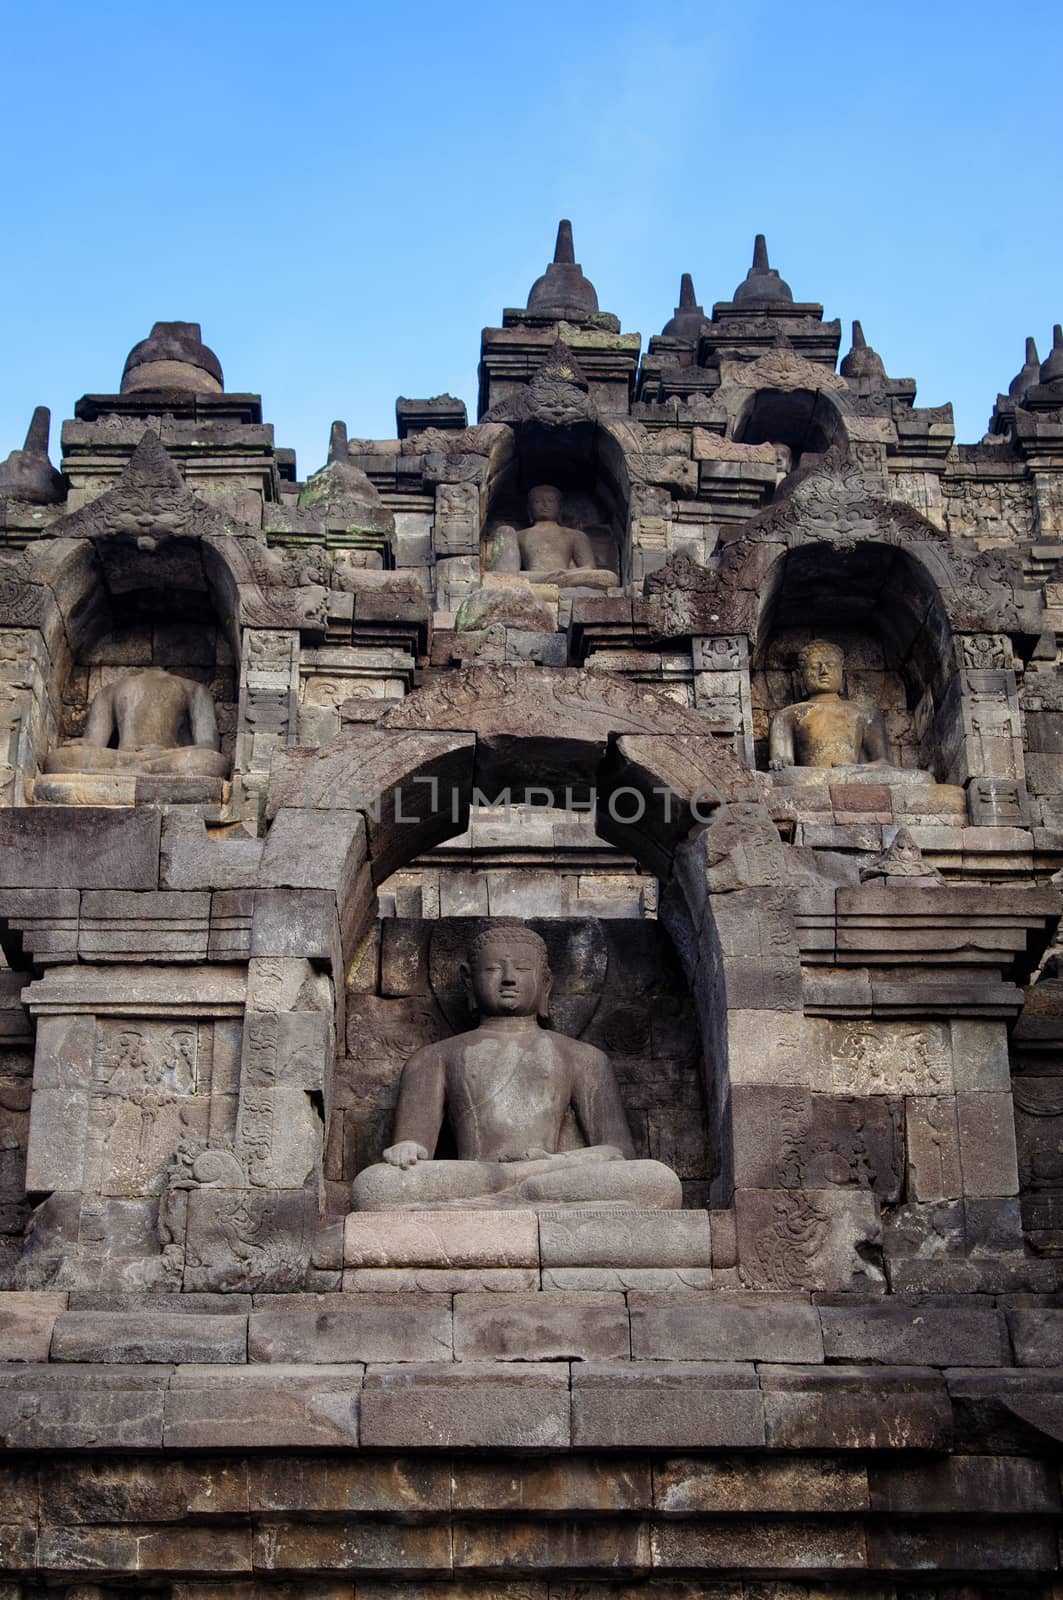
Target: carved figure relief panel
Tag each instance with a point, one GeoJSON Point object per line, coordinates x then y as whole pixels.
{"type": "Point", "coordinates": [153, 1086]}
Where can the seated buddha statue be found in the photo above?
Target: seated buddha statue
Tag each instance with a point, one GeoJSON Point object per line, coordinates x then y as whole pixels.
{"type": "Point", "coordinates": [149, 723]}
{"type": "Point", "coordinates": [825, 729]}
{"type": "Point", "coordinates": [505, 1088]}
{"type": "Point", "coordinates": [547, 551]}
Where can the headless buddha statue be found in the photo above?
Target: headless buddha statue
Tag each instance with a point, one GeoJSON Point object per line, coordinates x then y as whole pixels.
{"type": "Point", "coordinates": [548, 552]}
{"type": "Point", "coordinates": [506, 1088]}
{"type": "Point", "coordinates": [160, 725]}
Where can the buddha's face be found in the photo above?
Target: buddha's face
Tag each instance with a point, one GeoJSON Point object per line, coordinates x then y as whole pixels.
{"type": "Point", "coordinates": [822, 666]}
{"type": "Point", "coordinates": [544, 503]}
{"type": "Point", "coordinates": [509, 978]}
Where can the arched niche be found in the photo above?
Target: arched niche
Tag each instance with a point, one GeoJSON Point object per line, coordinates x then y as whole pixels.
{"type": "Point", "coordinates": [805, 421]}
{"type": "Point", "coordinates": [129, 603]}
{"type": "Point", "coordinates": [880, 605]}
{"type": "Point", "coordinates": [396, 790]}
{"type": "Point", "coordinates": [586, 464]}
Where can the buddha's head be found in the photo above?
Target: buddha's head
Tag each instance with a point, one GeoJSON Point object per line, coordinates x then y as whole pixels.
{"type": "Point", "coordinates": [544, 503]}
{"type": "Point", "coordinates": [508, 972]}
{"type": "Point", "coordinates": [822, 667]}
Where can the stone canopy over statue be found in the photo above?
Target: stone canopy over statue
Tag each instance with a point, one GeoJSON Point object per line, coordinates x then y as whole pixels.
{"type": "Point", "coordinates": [150, 722]}
{"type": "Point", "coordinates": [826, 729]}
{"type": "Point", "coordinates": [506, 1088]}
{"type": "Point", "coordinates": [547, 551]}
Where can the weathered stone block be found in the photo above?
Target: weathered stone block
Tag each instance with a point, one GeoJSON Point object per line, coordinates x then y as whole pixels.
{"type": "Point", "coordinates": [355, 1546]}
{"type": "Point", "coordinates": [607, 1546]}
{"type": "Point", "coordinates": [897, 1058]}
{"type": "Point", "coordinates": [255, 1407]}
{"type": "Point", "coordinates": [441, 1239]}
{"type": "Point", "coordinates": [500, 1405]}
{"type": "Point", "coordinates": [980, 1054]}
{"type": "Point", "coordinates": [719, 1328]}
{"type": "Point", "coordinates": [160, 1335]}
{"type": "Point", "coordinates": [82, 1407]}
{"type": "Point", "coordinates": [439, 1280]}
{"type": "Point", "coordinates": [673, 1405]}
{"type": "Point", "coordinates": [396, 1486]}
{"type": "Point", "coordinates": [571, 1237]}
{"type": "Point", "coordinates": [130, 1489]}
{"type": "Point", "coordinates": [791, 1138]}
{"type": "Point", "coordinates": [972, 1484]}
{"type": "Point", "coordinates": [856, 1408]}
{"type": "Point", "coordinates": [1037, 1334]}
{"type": "Point", "coordinates": [919, 1547]}
{"type": "Point", "coordinates": [388, 1328]}
{"type": "Point", "coordinates": [988, 1158]}
{"type": "Point", "coordinates": [152, 1550]}
{"type": "Point", "coordinates": [541, 1327]}
{"type": "Point", "coordinates": [687, 1485]}
{"type": "Point", "coordinates": [26, 1323]}
{"type": "Point", "coordinates": [768, 1545]}
{"type": "Point", "coordinates": [560, 1484]}
{"type": "Point", "coordinates": [778, 1047]}
{"type": "Point", "coordinates": [79, 848]}
{"type": "Point", "coordinates": [933, 1138]}
{"type": "Point", "coordinates": [930, 1336]}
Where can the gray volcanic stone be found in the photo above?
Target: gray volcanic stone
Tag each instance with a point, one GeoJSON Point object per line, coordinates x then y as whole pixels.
{"type": "Point", "coordinates": [503, 1405]}
{"type": "Point", "coordinates": [148, 1336]}
{"type": "Point", "coordinates": [930, 1336]}
{"type": "Point", "coordinates": [1037, 1334]}
{"type": "Point", "coordinates": [390, 1327]}
{"type": "Point", "coordinates": [256, 1407]}
{"type": "Point", "coordinates": [81, 1407]}
{"type": "Point", "coordinates": [676, 1404]}
{"type": "Point", "coordinates": [714, 1328]}
{"type": "Point", "coordinates": [856, 1408]}
{"type": "Point", "coordinates": [540, 1327]}
{"type": "Point", "coordinates": [82, 847]}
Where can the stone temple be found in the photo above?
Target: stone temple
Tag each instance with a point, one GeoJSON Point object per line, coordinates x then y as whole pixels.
{"type": "Point", "coordinates": [531, 1031]}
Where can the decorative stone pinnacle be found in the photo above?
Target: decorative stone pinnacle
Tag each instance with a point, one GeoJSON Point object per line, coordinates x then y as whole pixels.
{"type": "Point", "coordinates": [1052, 370]}
{"type": "Point", "coordinates": [563, 292]}
{"type": "Point", "coordinates": [862, 361]}
{"type": "Point", "coordinates": [337, 442]}
{"type": "Point", "coordinates": [27, 474]}
{"type": "Point", "coordinates": [564, 249]}
{"type": "Point", "coordinates": [1028, 375]}
{"type": "Point", "coordinates": [688, 318]}
{"type": "Point", "coordinates": [762, 284]}
{"type": "Point", "coordinates": [38, 431]}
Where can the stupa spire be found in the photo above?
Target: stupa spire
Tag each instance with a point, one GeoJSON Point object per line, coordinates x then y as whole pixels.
{"type": "Point", "coordinates": [563, 292]}
{"type": "Point", "coordinates": [762, 284]}
{"type": "Point", "coordinates": [564, 249]}
{"type": "Point", "coordinates": [1052, 367]}
{"type": "Point", "coordinates": [862, 361]}
{"type": "Point", "coordinates": [1028, 375]}
{"type": "Point", "coordinates": [689, 318]}
{"type": "Point", "coordinates": [28, 474]}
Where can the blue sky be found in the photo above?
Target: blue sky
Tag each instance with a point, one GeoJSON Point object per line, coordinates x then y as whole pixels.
{"type": "Point", "coordinates": [344, 195]}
